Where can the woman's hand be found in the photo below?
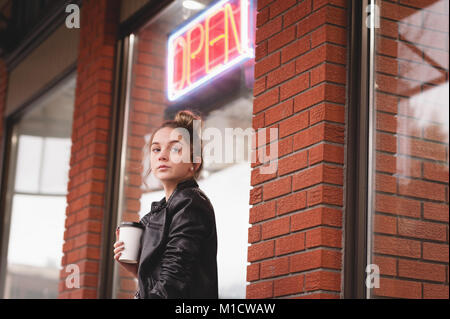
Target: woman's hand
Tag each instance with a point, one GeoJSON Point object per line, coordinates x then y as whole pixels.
{"type": "Point", "coordinates": [118, 247]}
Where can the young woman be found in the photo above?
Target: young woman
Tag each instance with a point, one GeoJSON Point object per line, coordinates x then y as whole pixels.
{"type": "Point", "coordinates": [179, 243]}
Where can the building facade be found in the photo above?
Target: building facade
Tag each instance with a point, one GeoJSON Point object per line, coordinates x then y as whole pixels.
{"type": "Point", "coordinates": [329, 171]}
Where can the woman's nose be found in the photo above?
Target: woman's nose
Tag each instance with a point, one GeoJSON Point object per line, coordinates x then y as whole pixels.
{"type": "Point", "coordinates": [163, 155]}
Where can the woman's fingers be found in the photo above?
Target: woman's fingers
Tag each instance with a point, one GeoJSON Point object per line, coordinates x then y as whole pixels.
{"type": "Point", "coordinates": [118, 248]}
{"type": "Point", "coordinates": [118, 243]}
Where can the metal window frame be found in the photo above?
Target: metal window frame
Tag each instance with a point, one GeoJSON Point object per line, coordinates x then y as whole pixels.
{"type": "Point", "coordinates": [358, 158]}
{"type": "Point", "coordinates": [7, 169]}
{"type": "Point", "coordinates": [124, 54]}
{"type": "Point", "coordinates": [106, 267]}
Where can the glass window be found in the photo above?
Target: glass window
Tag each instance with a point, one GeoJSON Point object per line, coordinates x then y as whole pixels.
{"type": "Point", "coordinates": [216, 82]}
{"type": "Point", "coordinates": [408, 227]}
{"type": "Point", "coordinates": [36, 195]}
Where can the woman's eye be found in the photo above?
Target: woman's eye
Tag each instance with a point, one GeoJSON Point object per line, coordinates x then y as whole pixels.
{"type": "Point", "coordinates": [176, 149]}
{"type": "Point", "coordinates": [155, 149]}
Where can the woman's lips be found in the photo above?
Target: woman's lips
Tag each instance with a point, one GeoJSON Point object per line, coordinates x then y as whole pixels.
{"type": "Point", "coordinates": [163, 167]}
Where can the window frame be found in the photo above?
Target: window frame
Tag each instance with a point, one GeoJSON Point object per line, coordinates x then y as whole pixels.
{"type": "Point", "coordinates": [8, 169]}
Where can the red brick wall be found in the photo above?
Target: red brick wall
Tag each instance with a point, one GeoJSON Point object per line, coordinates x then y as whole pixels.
{"type": "Point", "coordinates": [147, 105]}
{"type": "Point", "coordinates": [300, 76]}
{"type": "Point", "coordinates": [90, 137]}
{"type": "Point", "coordinates": [411, 219]}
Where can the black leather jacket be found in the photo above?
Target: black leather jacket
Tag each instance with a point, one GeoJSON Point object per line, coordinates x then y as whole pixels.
{"type": "Point", "coordinates": [178, 257]}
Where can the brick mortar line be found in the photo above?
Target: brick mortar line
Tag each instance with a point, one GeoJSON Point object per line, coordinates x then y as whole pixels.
{"type": "Point", "coordinates": [416, 44]}
{"type": "Point", "coordinates": [293, 173]}
{"type": "Point", "coordinates": [412, 7]}
{"type": "Point", "coordinates": [421, 259]}
{"type": "Point", "coordinates": [69, 290]}
{"type": "Point", "coordinates": [411, 197]}
{"type": "Point", "coordinates": [287, 275]}
{"type": "Point", "coordinates": [309, 293]}
{"type": "Point", "coordinates": [78, 261]}
{"type": "Point", "coordinates": [303, 272]}
{"type": "Point", "coordinates": [414, 25]}
{"type": "Point", "coordinates": [262, 147]}
{"type": "Point", "coordinates": [398, 76]}
{"type": "Point", "coordinates": [301, 150]}
{"type": "Point", "coordinates": [292, 232]}
{"type": "Point", "coordinates": [415, 138]}
{"type": "Point", "coordinates": [407, 116]}
{"type": "Point", "coordinates": [410, 61]}
{"type": "Point", "coordinates": [73, 187]}
{"type": "Point", "coordinates": [406, 156]}
{"type": "Point", "coordinates": [291, 274]}
{"type": "Point", "coordinates": [95, 128]}
{"type": "Point", "coordinates": [80, 99]}
{"type": "Point", "coordinates": [88, 157]}
{"type": "Point", "coordinates": [423, 179]}
{"type": "Point", "coordinates": [283, 13]}
{"type": "Point", "coordinates": [321, 205]}
{"type": "Point", "coordinates": [304, 189]}
{"type": "Point", "coordinates": [80, 222]}
{"type": "Point", "coordinates": [306, 208]}
{"type": "Point", "coordinates": [298, 56]}
{"type": "Point", "coordinates": [138, 99]}
{"type": "Point", "coordinates": [306, 249]}
{"type": "Point", "coordinates": [83, 195]}
{"type": "Point", "coordinates": [296, 152]}
{"type": "Point", "coordinates": [299, 93]}
{"type": "Point", "coordinates": [417, 239]}
{"type": "Point", "coordinates": [412, 218]}
{"type": "Point", "coordinates": [94, 118]}
{"type": "Point", "coordinates": [309, 108]}
{"type": "Point", "coordinates": [297, 75]}
{"type": "Point", "coordinates": [422, 281]}
{"type": "Point", "coordinates": [304, 53]}
{"type": "Point", "coordinates": [76, 212]}
{"type": "Point", "coordinates": [325, 100]}
{"type": "Point", "coordinates": [82, 247]}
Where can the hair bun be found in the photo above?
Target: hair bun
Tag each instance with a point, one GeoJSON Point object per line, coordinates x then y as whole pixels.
{"type": "Point", "coordinates": [186, 118]}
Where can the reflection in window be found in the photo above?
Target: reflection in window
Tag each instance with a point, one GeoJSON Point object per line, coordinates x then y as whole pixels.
{"type": "Point", "coordinates": [408, 237]}
{"type": "Point", "coordinates": [36, 204]}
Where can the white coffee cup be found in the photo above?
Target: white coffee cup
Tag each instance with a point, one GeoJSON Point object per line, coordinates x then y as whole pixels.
{"type": "Point", "coordinates": [130, 233]}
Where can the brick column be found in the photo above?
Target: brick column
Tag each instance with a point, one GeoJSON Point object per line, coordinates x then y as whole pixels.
{"type": "Point", "coordinates": [300, 78]}
{"type": "Point", "coordinates": [90, 136]}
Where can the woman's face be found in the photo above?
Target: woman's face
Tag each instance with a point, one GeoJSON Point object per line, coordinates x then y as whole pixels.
{"type": "Point", "coordinates": [170, 156]}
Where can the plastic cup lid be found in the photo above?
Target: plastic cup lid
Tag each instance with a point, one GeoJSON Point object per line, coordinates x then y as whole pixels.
{"type": "Point", "coordinates": [131, 224]}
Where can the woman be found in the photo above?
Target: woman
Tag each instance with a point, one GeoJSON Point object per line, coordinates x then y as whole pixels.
{"type": "Point", "coordinates": [179, 243]}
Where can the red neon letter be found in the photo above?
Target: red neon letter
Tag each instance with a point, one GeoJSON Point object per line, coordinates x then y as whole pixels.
{"type": "Point", "coordinates": [192, 54]}
{"type": "Point", "coordinates": [182, 43]}
{"type": "Point", "coordinates": [209, 43]}
{"type": "Point", "coordinates": [228, 17]}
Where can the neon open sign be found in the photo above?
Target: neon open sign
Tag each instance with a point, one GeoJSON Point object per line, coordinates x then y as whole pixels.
{"type": "Point", "coordinates": [213, 42]}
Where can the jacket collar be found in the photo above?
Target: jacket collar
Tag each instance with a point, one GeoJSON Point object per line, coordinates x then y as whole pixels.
{"type": "Point", "coordinates": [190, 182]}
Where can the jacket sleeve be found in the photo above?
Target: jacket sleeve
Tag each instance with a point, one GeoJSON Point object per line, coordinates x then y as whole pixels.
{"type": "Point", "coordinates": [188, 229]}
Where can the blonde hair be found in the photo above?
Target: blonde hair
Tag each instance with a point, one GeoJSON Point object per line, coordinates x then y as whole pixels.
{"type": "Point", "coordinates": [185, 119]}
